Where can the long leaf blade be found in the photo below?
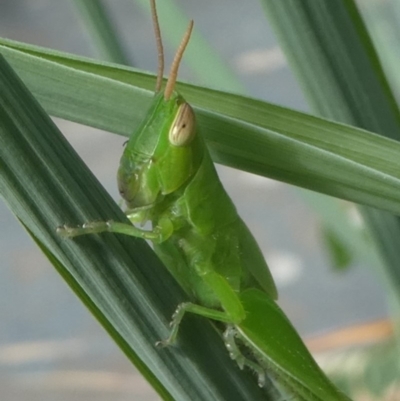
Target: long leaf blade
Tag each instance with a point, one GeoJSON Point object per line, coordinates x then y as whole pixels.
{"type": "Point", "coordinates": [303, 150]}
{"type": "Point", "coordinates": [344, 80]}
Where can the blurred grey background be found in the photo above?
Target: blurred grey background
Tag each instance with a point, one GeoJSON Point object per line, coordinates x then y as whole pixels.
{"type": "Point", "coordinates": [51, 348]}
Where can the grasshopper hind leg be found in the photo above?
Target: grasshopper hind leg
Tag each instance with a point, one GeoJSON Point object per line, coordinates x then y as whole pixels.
{"type": "Point", "coordinates": [236, 354]}
{"type": "Point", "coordinates": [236, 348]}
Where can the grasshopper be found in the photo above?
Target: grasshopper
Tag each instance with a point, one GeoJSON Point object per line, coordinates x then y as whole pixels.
{"type": "Point", "coordinates": [166, 176]}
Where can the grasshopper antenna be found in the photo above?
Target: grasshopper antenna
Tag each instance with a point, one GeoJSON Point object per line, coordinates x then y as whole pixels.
{"type": "Point", "coordinates": [169, 88]}
{"type": "Point", "coordinates": [160, 49]}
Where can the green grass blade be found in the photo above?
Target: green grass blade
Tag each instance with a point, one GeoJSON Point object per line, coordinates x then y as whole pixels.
{"type": "Point", "coordinates": [102, 30]}
{"type": "Point", "coordinates": [331, 53]}
{"type": "Point", "coordinates": [382, 20]}
{"type": "Point", "coordinates": [45, 184]}
{"type": "Point", "coordinates": [262, 138]}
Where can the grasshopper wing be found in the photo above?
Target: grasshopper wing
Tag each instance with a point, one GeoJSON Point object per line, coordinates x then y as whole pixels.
{"type": "Point", "coordinates": [276, 345]}
{"type": "Point", "coordinates": [253, 260]}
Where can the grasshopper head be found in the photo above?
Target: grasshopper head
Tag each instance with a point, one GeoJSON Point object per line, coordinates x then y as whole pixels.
{"type": "Point", "coordinates": [161, 155]}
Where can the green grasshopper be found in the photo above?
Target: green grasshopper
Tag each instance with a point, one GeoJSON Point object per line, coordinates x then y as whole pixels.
{"type": "Point", "coordinates": [166, 176]}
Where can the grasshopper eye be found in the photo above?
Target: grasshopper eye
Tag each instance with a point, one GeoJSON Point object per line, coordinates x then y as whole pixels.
{"type": "Point", "coordinates": [182, 129]}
